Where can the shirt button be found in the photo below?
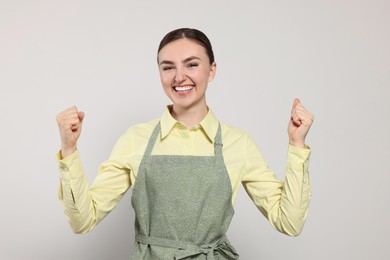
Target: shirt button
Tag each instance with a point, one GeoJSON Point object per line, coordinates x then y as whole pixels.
{"type": "Point", "coordinates": [185, 134]}
{"type": "Point", "coordinates": [64, 168]}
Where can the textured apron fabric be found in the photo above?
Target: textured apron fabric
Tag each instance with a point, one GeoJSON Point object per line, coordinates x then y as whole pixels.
{"type": "Point", "coordinates": [182, 206]}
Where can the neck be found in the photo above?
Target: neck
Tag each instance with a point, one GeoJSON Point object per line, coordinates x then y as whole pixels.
{"type": "Point", "coordinates": [189, 116]}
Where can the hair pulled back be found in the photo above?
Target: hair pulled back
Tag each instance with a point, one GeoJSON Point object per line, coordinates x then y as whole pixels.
{"type": "Point", "coordinates": [192, 34]}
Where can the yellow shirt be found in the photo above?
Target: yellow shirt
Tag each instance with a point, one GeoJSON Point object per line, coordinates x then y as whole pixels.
{"type": "Point", "coordinates": [284, 204]}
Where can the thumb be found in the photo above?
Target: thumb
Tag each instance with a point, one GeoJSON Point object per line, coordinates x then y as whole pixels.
{"type": "Point", "coordinates": [296, 102]}
{"type": "Point", "coordinates": [81, 115]}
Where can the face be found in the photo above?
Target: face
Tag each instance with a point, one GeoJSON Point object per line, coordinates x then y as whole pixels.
{"type": "Point", "coordinates": [185, 72]}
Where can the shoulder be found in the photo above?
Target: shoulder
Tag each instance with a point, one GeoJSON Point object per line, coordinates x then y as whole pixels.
{"type": "Point", "coordinates": [142, 129]}
{"type": "Point", "coordinates": [228, 129]}
{"type": "Point", "coordinates": [232, 134]}
{"type": "Point", "coordinates": [138, 134]}
{"type": "Point", "coordinates": [236, 137]}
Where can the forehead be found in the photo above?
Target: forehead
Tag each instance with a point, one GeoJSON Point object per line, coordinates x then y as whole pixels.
{"type": "Point", "coordinates": [182, 49]}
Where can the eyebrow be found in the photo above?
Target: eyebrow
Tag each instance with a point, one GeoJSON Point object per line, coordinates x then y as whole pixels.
{"type": "Point", "coordinates": [184, 61]}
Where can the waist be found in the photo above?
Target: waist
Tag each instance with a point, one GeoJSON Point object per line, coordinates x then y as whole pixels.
{"type": "Point", "coordinates": [187, 249]}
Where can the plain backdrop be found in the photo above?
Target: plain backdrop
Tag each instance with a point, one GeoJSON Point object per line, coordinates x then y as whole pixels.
{"type": "Point", "coordinates": [101, 56]}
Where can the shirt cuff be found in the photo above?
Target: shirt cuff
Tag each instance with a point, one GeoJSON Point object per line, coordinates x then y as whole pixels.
{"type": "Point", "coordinates": [298, 159]}
{"type": "Point", "coordinates": [297, 154]}
{"type": "Point", "coordinates": [72, 161]}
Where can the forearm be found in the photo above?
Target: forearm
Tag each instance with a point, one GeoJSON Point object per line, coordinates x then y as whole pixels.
{"type": "Point", "coordinates": [75, 196]}
{"type": "Point", "coordinates": [289, 213]}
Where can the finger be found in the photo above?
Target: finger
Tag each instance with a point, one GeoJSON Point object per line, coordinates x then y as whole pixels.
{"type": "Point", "coordinates": [295, 118]}
{"type": "Point", "coordinates": [304, 117]}
{"type": "Point", "coordinates": [81, 115]}
{"type": "Point", "coordinates": [75, 127]}
{"type": "Point", "coordinates": [295, 103]}
{"type": "Point", "coordinates": [67, 112]}
{"type": "Point", "coordinates": [297, 121]}
{"type": "Point", "coordinates": [70, 110]}
{"type": "Point", "coordinates": [301, 108]}
{"type": "Point", "coordinates": [303, 112]}
{"type": "Point", "coordinates": [68, 121]}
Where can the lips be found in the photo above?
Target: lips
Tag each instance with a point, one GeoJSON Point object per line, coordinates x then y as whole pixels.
{"type": "Point", "coordinates": [182, 89]}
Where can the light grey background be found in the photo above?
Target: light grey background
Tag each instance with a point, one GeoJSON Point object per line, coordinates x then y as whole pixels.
{"type": "Point", "coordinates": [101, 56]}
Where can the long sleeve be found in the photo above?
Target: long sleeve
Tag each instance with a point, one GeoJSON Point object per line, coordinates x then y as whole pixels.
{"type": "Point", "coordinates": [86, 206]}
{"type": "Point", "coordinates": [284, 204]}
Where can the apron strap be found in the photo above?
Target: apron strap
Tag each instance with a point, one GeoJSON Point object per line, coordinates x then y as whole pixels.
{"type": "Point", "coordinates": [152, 140]}
{"type": "Point", "coordinates": [187, 249]}
{"type": "Point", "coordinates": [218, 142]}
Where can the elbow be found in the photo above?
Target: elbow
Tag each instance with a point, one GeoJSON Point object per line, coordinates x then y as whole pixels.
{"type": "Point", "coordinates": [293, 232]}
{"type": "Point", "coordinates": [78, 224]}
{"type": "Point", "coordinates": [79, 228]}
{"type": "Point", "coordinates": [78, 232]}
{"type": "Point", "coordinates": [291, 229]}
{"type": "Point", "coordinates": [291, 224]}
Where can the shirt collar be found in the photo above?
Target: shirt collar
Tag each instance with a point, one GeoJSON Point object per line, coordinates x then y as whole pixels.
{"type": "Point", "coordinates": [209, 124]}
{"type": "Point", "coordinates": [167, 122]}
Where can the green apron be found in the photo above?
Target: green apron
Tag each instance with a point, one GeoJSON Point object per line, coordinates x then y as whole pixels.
{"type": "Point", "coordinates": [182, 206]}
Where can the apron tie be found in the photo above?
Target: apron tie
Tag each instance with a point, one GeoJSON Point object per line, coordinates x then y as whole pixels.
{"type": "Point", "coordinates": [187, 249]}
{"type": "Point", "coordinates": [223, 248]}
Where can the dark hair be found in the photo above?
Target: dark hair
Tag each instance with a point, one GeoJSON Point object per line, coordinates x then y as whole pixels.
{"type": "Point", "coordinates": [192, 34]}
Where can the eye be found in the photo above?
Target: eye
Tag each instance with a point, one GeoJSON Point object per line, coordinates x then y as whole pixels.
{"type": "Point", "coordinates": [166, 68]}
{"type": "Point", "coordinates": [192, 65]}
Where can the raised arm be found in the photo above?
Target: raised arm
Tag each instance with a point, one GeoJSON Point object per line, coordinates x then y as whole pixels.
{"type": "Point", "coordinates": [284, 204]}
{"type": "Point", "coordinates": [86, 206]}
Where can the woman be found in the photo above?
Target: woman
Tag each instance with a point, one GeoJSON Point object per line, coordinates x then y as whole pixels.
{"type": "Point", "coordinates": [186, 167]}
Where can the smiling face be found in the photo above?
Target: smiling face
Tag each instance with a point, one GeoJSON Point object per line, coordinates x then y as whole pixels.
{"type": "Point", "coordinates": [185, 72]}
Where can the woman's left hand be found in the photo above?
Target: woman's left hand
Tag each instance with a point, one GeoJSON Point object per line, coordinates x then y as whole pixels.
{"type": "Point", "coordinates": [299, 125]}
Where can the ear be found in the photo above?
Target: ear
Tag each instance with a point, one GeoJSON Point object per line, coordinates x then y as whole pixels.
{"type": "Point", "coordinates": [213, 70]}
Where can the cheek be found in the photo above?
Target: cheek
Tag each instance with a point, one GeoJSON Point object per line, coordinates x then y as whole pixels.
{"type": "Point", "coordinates": [165, 79]}
{"type": "Point", "coordinates": [196, 75]}
{"type": "Point", "coordinates": [204, 75]}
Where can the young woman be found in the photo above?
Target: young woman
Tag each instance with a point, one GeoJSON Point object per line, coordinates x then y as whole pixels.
{"type": "Point", "coordinates": [186, 167]}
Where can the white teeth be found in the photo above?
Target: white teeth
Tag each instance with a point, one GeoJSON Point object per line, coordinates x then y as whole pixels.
{"type": "Point", "coordinates": [184, 88]}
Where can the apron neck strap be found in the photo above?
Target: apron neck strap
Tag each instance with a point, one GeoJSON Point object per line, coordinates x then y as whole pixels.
{"type": "Point", "coordinates": [218, 141]}
{"type": "Point", "coordinates": [152, 140]}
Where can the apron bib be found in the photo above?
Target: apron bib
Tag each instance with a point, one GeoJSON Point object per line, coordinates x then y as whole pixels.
{"type": "Point", "coordinates": [182, 206]}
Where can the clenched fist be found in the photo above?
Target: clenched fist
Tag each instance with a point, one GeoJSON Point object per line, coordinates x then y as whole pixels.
{"type": "Point", "coordinates": [69, 123]}
{"type": "Point", "coordinates": [299, 125]}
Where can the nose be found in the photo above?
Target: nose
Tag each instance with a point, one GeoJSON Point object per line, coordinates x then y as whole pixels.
{"type": "Point", "coordinates": [180, 75]}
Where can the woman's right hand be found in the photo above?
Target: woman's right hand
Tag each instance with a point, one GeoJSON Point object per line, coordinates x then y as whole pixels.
{"type": "Point", "coordinates": [69, 123]}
